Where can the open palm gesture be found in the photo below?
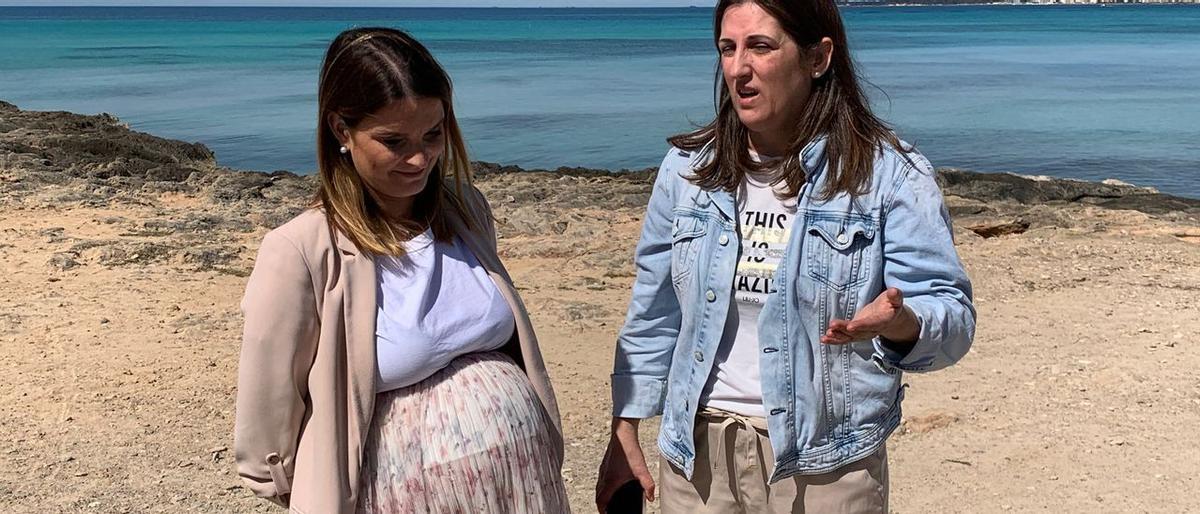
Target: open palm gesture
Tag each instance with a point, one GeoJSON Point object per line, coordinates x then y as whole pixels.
{"type": "Point", "coordinates": [885, 316]}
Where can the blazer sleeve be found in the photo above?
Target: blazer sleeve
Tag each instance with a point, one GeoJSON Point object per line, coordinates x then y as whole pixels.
{"type": "Point", "coordinates": [278, 346]}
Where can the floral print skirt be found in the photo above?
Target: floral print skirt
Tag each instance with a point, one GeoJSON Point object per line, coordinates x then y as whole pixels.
{"type": "Point", "coordinates": [471, 438]}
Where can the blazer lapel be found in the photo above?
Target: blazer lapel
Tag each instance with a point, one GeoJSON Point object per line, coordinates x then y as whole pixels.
{"type": "Point", "coordinates": [359, 308]}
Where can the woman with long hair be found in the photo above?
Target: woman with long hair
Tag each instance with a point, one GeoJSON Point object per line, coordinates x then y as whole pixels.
{"type": "Point", "coordinates": [387, 363]}
{"type": "Point", "coordinates": [795, 259]}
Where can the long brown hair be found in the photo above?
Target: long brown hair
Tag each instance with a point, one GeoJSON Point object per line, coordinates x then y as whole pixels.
{"type": "Point", "coordinates": [366, 69]}
{"type": "Point", "coordinates": [836, 109]}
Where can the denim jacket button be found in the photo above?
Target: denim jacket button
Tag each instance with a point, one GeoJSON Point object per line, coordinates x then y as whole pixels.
{"type": "Point", "coordinates": [724, 239]}
{"type": "Point", "coordinates": [710, 295]}
{"type": "Point", "coordinates": [841, 238]}
{"type": "Point", "coordinates": [699, 356]}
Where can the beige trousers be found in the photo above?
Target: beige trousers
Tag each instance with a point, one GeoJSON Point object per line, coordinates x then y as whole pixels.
{"type": "Point", "coordinates": [734, 460]}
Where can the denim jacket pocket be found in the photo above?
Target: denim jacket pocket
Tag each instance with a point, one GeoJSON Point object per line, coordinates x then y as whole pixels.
{"type": "Point", "coordinates": [838, 248]}
{"type": "Point", "coordinates": [686, 237]}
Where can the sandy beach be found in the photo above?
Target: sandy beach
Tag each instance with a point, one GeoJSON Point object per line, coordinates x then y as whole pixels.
{"type": "Point", "coordinates": [126, 256]}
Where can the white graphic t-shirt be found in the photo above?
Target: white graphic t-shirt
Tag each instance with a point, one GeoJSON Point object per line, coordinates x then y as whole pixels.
{"type": "Point", "coordinates": [765, 223]}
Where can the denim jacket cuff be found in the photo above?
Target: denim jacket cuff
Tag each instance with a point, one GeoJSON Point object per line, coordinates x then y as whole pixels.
{"type": "Point", "coordinates": [918, 358]}
{"type": "Point", "coordinates": [638, 397]}
{"type": "Point", "coordinates": [886, 358]}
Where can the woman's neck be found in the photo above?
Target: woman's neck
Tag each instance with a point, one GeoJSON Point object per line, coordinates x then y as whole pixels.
{"type": "Point", "coordinates": [396, 210]}
{"type": "Point", "coordinates": [768, 146]}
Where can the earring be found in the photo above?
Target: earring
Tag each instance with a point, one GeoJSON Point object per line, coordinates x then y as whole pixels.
{"type": "Point", "coordinates": [816, 75]}
{"type": "Point", "coordinates": [344, 150]}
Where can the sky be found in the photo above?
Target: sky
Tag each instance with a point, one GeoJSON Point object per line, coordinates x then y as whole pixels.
{"type": "Point", "coordinates": [378, 3]}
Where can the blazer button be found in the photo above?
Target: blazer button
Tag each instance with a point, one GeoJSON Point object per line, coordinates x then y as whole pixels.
{"type": "Point", "coordinates": [710, 296]}
{"type": "Point", "coordinates": [724, 239]}
{"type": "Point", "coordinates": [699, 356]}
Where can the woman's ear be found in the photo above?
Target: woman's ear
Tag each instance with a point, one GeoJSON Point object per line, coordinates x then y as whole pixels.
{"type": "Point", "coordinates": [822, 54]}
{"type": "Point", "coordinates": [339, 128]}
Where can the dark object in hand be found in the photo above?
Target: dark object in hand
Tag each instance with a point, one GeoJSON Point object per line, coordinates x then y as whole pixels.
{"type": "Point", "coordinates": [627, 499]}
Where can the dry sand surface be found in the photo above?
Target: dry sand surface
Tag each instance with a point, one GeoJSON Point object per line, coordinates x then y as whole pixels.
{"type": "Point", "coordinates": [119, 337]}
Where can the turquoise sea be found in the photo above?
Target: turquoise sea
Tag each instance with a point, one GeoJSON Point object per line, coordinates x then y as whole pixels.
{"type": "Point", "coordinates": [1084, 92]}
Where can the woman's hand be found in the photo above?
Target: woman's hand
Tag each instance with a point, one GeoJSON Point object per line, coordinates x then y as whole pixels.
{"type": "Point", "coordinates": [622, 462]}
{"type": "Point", "coordinates": [886, 316]}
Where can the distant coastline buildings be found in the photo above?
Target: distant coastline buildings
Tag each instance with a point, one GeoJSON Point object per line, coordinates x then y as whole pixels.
{"type": "Point", "coordinates": [1010, 2]}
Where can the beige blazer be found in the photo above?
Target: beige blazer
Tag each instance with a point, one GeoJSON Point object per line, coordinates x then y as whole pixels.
{"type": "Point", "coordinates": [306, 380]}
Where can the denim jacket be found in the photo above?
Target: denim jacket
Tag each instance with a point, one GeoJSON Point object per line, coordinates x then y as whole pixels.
{"type": "Point", "coordinates": [827, 405]}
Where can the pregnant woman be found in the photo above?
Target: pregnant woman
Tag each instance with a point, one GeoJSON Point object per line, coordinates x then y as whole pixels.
{"type": "Point", "coordinates": [388, 364]}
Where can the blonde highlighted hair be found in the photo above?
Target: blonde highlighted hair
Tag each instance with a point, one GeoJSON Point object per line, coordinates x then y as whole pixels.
{"type": "Point", "coordinates": [364, 70]}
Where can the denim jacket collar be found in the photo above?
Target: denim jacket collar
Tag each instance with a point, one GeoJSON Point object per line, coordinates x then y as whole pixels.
{"type": "Point", "coordinates": [812, 157]}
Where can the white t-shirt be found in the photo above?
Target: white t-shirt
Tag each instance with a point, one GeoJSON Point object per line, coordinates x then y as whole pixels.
{"type": "Point", "coordinates": [434, 304]}
{"type": "Point", "coordinates": [765, 223]}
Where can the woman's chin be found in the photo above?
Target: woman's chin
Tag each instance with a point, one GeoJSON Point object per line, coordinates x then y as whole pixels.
{"type": "Point", "coordinates": [397, 191]}
{"type": "Point", "coordinates": [405, 186]}
{"type": "Point", "coordinates": [754, 121]}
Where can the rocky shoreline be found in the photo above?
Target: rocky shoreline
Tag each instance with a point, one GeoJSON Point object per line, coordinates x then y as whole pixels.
{"type": "Point", "coordinates": [103, 160]}
{"type": "Point", "coordinates": [61, 159]}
